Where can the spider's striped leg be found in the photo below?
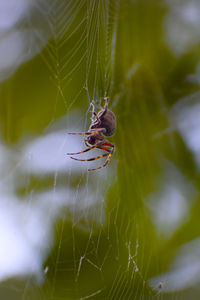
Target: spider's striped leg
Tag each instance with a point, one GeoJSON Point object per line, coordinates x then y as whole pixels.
{"type": "Point", "coordinates": [106, 162]}
{"type": "Point", "coordinates": [93, 131]}
{"type": "Point", "coordinates": [97, 130]}
{"type": "Point", "coordinates": [105, 108]}
{"type": "Point", "coordinates": [80, 133]}
{"type": "Point", "coordinates": [94, 113]}
{"type": "Point", "coordinates": [86, 144]}
{"type": "Point", "coordinates": [90, 159]}
{"type": "Point", "coordinates": [96, 116]}
{"type": "Point", "coordinates": [86, 150]}
{"type": "Point", "coordinates": [110, 153]}
{"type": "Point", "coordinates": [96, 121]}
{"type": "Point", "coordinates": [106, 104]}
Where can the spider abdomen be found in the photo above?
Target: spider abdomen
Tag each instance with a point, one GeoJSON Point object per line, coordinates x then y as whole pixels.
{"type": "Point", "coordinates": [108, 122]}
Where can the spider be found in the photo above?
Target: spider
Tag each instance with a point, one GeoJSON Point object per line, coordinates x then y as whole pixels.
{"type": "Point", "coordinates": [103, 124]}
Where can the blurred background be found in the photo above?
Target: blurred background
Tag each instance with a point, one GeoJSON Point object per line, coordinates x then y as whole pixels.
{"type": "Point", "coordinates": [132, 229]}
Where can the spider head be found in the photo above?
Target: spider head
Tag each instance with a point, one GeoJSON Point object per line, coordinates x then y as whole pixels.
{"type": "Point", "coordinates": [91, 139]}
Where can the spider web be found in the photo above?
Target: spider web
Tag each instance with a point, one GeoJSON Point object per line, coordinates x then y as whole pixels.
{"type": "Point", "coordinates": [90, 242]}
{"type": "Point", "coordinates": [96, 46]}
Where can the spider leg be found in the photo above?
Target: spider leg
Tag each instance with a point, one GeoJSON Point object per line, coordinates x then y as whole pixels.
{"type": "Point", "coordinates": [105, 164]}
{"type": "Point", "coordinates": [106, 104]}
{"type": "Point", "coordinates": [92, 131]}
{"type": "Point", "coordinates": [97, 130]}
{"type": "Point", "coordinates": [86, 150]}
{"type": "Point", "coordinates": [110, 153]}
{"type": "Point", "coordinates": [90, 159]}
{"type": "Point", "coordinates": [80, 133]}
{"type": "Point", "coordinates": [86, 143]}
{"type": "Point", "coordinates": [105, 108]}
{"type": "Point", "coordinates": [95, 114]}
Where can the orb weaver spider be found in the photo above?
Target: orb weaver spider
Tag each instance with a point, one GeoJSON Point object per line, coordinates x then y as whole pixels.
{"type": "Point", "coordinates": [103, 124]}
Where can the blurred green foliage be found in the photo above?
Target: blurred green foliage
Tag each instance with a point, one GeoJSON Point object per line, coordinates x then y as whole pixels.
{"type": "Point", "coordinates": [119, 50]}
